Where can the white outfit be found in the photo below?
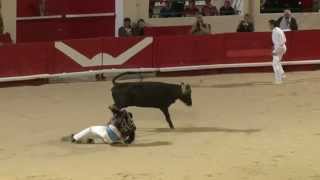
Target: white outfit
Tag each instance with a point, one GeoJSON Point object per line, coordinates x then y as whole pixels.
{"type": "Point", "coordinates": [100, 134]}
{"type": "Point", "coordinates": [279, 49]}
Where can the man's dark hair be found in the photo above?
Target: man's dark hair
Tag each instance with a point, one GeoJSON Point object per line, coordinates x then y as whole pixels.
{"type": "Point", "coordinates": [273, 22]}
{"type": "Point", "coordinates": [127, 19]}
{"type": "Point", "coordinates": [140, 20]}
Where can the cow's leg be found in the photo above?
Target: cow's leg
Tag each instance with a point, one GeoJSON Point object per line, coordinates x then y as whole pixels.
{"type": "Point", "coordinates": [166, 113]}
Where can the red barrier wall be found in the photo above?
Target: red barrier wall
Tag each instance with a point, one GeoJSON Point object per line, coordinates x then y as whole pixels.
{"type": "Point", "coordinates": [27, 8]}
{"type": "Point", "coordinates": [24, 59]}
{"type": "Point", "coordinates": [167, 30]}
{"type": "Point", "coordinates": [65, 27]}
{"type": "Point", "coordinates": [159, 52]}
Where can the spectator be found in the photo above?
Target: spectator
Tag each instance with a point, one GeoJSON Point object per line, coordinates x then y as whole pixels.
{"type": "Point", "coordinates": [191, 9]}
{"type": "Point", "coordinates": [227, 9]}
{"type": "Point", "coordinates": [126, 29]}
{"type": "Point", "coordinates": [287, 22]}
{"type": "Point", "coordinates": [1, 24]}
{"type": "Point", "coordinates": [166, 10]}
{"type": "Point", "coordinates": [177, 8]}
{"type": "Point", "coordinates": [151, 7]}
{"type": "Point", "coordinates": [246, 25]}
{"type": "Point", "coordinates": [209, 9]}
{"type": "Point", "coordinates": [1, 21]}
{"type": "Point", "coordinates": [138, 29]}
{"type": "Point", "coordinates": [200, 28]}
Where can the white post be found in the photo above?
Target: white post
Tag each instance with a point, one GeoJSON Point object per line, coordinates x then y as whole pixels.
{"type": "Point", "coordinates": [9, 16]}
{"type": "Point", "coordinates": [119, 15]}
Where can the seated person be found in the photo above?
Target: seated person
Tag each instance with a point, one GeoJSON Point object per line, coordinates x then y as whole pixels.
{"type": "Point", "coordinates": [200, 28]}
{"type": "Point", "coordinates": [287, 22]}
{"type": "Point", "coordinates": [227, 9]}
{"type": "Point", "coordinates": [209, 9]}
{"type": "Point", "coordinates": [120, 129]}
{"type": "Point", "coordinates": [126, 29]}
{"type": "Point", "coordinates": [177, 8]}
{"type": "Point", "coordinates": [138, 28]}
{"type": "Point", "coordinates": [191, 9]}
{"type": "Point", "coordinates": [166, 10]}
{"type": "Point", "coordinates": [1, 25]}
{"type": "Point", "coordinates": [246, 25]}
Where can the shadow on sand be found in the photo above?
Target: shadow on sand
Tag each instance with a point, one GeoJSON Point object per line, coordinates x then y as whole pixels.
{"type": "Point", "coordinates": [203, 130]}
{"type": "Point", "coordinates": [255, 83]}
{"type": "Point", "coordinates": [234, 85]}
{"type": "Point", "coordinates": [150, 144]}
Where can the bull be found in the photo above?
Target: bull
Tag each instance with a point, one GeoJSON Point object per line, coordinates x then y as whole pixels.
{"type": "Point", "coordinates": [150, 95]}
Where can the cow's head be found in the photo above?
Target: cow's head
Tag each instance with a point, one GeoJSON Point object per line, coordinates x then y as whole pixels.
{"type": "Point", "coordinates": [186, 94]}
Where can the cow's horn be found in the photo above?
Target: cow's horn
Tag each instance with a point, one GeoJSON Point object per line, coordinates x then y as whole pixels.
{"type": "Point", "coordinates": [183, 88]}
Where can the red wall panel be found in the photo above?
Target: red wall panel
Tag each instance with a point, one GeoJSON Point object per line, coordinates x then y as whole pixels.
{"type": "Point", "coordinates": [304, 45]}
{"type": "Point", "coordinates": [89, 6]}
{"type": "Point", "coordinates": [188, 50]}
{"type": "Point", "coordinates": [170, 51]}
{"type": "Point", "coordinates": [167, 30]}
{"type": "Point", "coordinates": [31, 7]}
{"type": "Point", "coordinates": [60, 62]}
{"type": "Point", "coordinates": [117, 46]}
{"type": "Point", "coordinates": [24, 59]}
{"type": "Point", "coordinates": [42, 30]}
{"type": "Point", "coordinates": [90, 27]}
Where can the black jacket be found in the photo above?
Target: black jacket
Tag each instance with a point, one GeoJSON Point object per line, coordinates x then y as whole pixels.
{"type": "Point", "coordinates": [245, 27]}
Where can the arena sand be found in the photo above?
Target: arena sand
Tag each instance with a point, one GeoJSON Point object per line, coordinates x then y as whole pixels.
{"type": "Point", "coordinates": [241, 127]}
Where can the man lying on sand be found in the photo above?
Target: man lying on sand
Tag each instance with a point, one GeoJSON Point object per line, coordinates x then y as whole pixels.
{"type": "Point", "coordinates": [120, 129]}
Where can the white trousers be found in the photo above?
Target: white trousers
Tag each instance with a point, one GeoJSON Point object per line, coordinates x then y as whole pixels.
{"type": "Point", "coordinates": [97, 133]}
{"type": "Point", "coordinates": [276, 62]}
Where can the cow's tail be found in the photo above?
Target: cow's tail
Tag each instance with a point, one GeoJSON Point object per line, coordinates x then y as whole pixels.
{"type": "Point", "coordinates": [114, 80]}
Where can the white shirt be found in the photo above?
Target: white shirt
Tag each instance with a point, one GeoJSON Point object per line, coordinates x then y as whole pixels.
{"type": "Point", "coordinates": [278, 38]}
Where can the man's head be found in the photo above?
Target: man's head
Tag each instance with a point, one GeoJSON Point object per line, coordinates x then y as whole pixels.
{"type": "Point", "coordinates": [141, 23]}
{"type": "Point", "coordinates": [186, 94]}
{"type": "Point", "coordinates": [272, 23]}
{"type": "Point", "coordinates": [247, 17]}
{"type": "Point", "coordinates": [227, 3]}
{"type": "Point", "coordinates": [127, 22]}
{"type": "Point", "coordinates": [287, 13]}
{"type": "Point", "coordinates": [192, 3]}
{"type": "Point", "coordinates": [208, 2]}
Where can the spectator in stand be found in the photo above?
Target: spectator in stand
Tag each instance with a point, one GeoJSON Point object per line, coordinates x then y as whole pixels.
{"type": "Point", "coordinates": [1, 21]}
{"type": "Point", "coordinates": [199, 27]}
{"type": "Point", "coordinates": [246, 25]}
{"type": "Point", "coordinates": [138, 28]}
{"type": "Point", "coordinates": [209, 9]}
{"type": "Point", "coordinates": [126, 29]}
{"type": "Point", "coordinates": [151, 6]}
{"type": "Point", "coordinates": [191, 9]}
{"type": "Point", "coordinates": [227, 9]}
{"type": "Point", "coordinates": [166, 10]}
{"type": "Point", "coordinates": [287, 22]}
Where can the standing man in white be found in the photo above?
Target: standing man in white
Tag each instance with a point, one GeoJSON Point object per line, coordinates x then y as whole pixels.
{"type": "Point", "coordinates": [279, 49]}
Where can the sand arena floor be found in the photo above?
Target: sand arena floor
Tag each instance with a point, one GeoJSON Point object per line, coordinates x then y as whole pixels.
{"type": "Point", "coordinates": [241, 127]}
